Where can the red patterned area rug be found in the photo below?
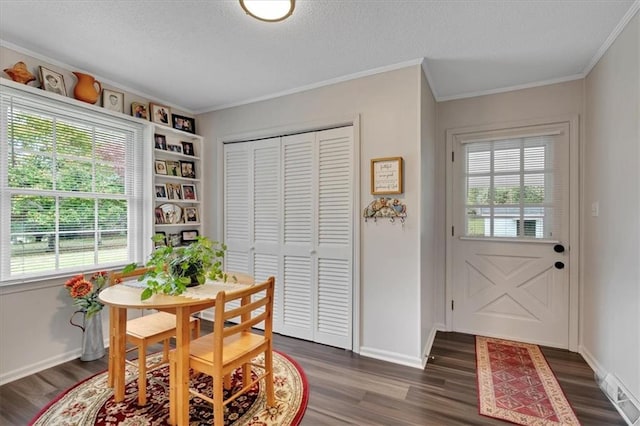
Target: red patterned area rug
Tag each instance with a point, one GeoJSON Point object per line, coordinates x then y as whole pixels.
{"type": "Point", "coordinates": [91, 402]}
{"type": "Point", "coordinates": [516, 384]}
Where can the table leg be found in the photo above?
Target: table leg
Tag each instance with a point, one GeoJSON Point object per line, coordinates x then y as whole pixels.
{"type": "Point", "coordinates": [182, 365]}
{"type": "Point", "coordinates": [119, 318]}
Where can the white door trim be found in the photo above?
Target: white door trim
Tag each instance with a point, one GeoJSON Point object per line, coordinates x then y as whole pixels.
{"type": "Point", "coordinates": [574, 207]}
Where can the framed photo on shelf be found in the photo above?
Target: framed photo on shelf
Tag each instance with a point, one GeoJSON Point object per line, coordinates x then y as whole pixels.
{"type": "Point", "coordinates": [52, 81]}
{"type": "Point", "coordinates": [159, 216]}
{"type": "Point", "coordinates": [190, 235]}
{"type": "Point", "coordinates": [386, 176]}
{"type": "Point", "coordinates": [174, 191]}
{"type": "Point", "coordinates": [160, 142]}
{"type": "Point", "coordinates": [174, 148]}
{"type": "Point", "coordinates": [191, 215]}
{"type": "Point", "coordinates": [161, 191]}
{"type": "Point", "coordinates": [186, 124]}
{"type": "Point", "coordinates": [139, 110]}
{"type": "Point", "coordinates": [187, 148]}
{"type": "Point", "coordinates": [189, 192]}
{"type": "Point", "coordinates": [160, 113]}
{"type": "Point", "coordinates": [161, 167]}
{"type": "Point", "coordinates": [188, 169]}
{"type": "Point", "coordinates": [112, 100]}
{"type": "Point", "coordinates": [174, 240]}
{"type": "Point", "coordinates": [158, 242]}
{"type": "Point", "coordinates": [173, 168]}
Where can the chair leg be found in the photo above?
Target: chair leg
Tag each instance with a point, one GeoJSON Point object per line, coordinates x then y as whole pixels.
{"type": "Point", "coordinates": [142, 374]}
{"type": "Point", "coordinates": [246, 374]}
{"type": "Point", "coordinates": [218, 406]}
{"type": "Point", "coordinates": [227, 381]}
{"type": "Point", "coordinates": [268, 363]}
{"type": "Point", "coordinates": [165, 350]}
{"type": "Point", "coordinates": [196, 328]}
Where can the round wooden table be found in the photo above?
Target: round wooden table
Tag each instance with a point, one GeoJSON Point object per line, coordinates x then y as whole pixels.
{"type": "Point", "coordinates": [122, 297]}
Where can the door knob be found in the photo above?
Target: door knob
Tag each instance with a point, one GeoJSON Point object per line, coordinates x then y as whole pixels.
{"type": "Point", "coordinates": [559, 265]}
{"type": "Point", "coordinates": [558, 248]}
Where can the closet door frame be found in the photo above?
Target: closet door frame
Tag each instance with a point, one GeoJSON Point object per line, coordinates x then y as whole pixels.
{"type": "Point", "coordinates": [217, 204]}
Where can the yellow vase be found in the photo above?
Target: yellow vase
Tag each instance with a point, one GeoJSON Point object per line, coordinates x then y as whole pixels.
{"type": "Point", "coordinates": [85, 89]}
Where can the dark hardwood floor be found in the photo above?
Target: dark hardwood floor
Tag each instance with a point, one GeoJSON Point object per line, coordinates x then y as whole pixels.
{"type": "Point", "coordinates": [346, 388]}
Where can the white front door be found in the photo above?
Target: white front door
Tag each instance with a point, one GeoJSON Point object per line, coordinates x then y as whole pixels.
{"type": "Point", "coordinates": [509, 261]}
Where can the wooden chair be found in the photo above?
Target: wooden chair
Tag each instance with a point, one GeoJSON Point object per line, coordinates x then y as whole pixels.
{"type": "Point", "coordinates": [218, 354]}
{"type": "Point", "coordinates": [142, 332]}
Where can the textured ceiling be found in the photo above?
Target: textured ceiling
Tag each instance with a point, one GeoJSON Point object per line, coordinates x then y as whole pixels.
{"type": "Point", "coordinates": [203, 55]}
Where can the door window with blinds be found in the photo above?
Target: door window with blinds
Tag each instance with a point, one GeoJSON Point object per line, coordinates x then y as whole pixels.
{"type": "Point", "coordinates": [71, 187]}
{"type": "Point", "coordinates": [510, 188]}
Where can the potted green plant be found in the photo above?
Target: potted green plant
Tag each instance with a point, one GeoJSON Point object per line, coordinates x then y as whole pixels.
{"type": "Point", "coordinates": [173, 269]}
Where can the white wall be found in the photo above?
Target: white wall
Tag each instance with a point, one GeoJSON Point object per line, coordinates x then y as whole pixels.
{"type": "Point", "coordinates": [611, 241]}
{"type": "Point", "coordinates": [536, 103]}
{"type": "Point", "coordinates": [389, 110]}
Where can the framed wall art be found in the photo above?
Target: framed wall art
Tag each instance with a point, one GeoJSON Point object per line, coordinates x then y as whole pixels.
{"type": "Point", "coordinates": [386, 176]}
{"type": "Point", "coordinates": [160, 113]}
{"type": "Point", "coordinates": [186, 124]}
{"type": "Point", "coordinates": [112, 100]}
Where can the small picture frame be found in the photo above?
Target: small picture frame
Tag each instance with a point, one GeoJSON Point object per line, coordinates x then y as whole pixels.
{"type": "Point", "coordinates": [174, 240]}
{"type": "Point", "coordinates": [159, 242]}
{"type": "Point", "coordinates": [174, 191]}
{"type": "Point", "coordinates": [52, 81]}
{"type": "Point", "coordinates": [186, 124]}
{"type": "Point", "coordinates": [159, 216]}
{"type": "Point", "coordinates": [191, 215]}
{"type": "Point", "coordinates": [187, 148]}
{"type": "Point", "coordinates": [112, 100]}
{"type": "Point", "coordinates": [189, 192]}
{"type": "Point", "coordinates": [140, 110]}
{"type": "Point", "coordinates": [188, 169]}
{"type": "Point", "coordinates": [160, 142]}
{"type": "Point", "coordinates": [190, 235]}
{"type": "Point", "coordinates": [173, 168]}
{"type": "Point", "coordinates": [174, 148]}
{"type": "Point", "coordinates": [161, 191]}
{"type": "Point", "coordinates": [161, 167]}
{"type": "Point", "coordinates": [160, 114]}
{"type": "Point", "coordinates": [386, 176]}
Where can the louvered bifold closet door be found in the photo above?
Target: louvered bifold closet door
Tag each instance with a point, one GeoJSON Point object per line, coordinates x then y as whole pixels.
{"type": "Point", "coordinates": [237, 204]}
{"type": "Point", "coordinates": [333, 324]}
{"type": "Point", "coordinates": [299, 189]}
{"type": "Point", "coordinates": [266, 213]}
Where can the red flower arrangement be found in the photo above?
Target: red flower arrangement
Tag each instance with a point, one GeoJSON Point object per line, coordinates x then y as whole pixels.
{"type": "Point", "coordinates": [85, 293]}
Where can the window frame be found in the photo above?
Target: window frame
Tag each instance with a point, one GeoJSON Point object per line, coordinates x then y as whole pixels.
{"type": "Point", "coordinates": [137, 178]}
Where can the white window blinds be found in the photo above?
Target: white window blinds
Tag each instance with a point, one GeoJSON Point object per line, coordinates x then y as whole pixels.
{"type": "Point", "coordinates": [511, 188]}
{"type": "Point", "coordinates": [71, 187]}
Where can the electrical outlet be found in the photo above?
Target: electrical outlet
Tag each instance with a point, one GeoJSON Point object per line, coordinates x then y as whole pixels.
{"type": "Point", "coordinates": [595, 209]}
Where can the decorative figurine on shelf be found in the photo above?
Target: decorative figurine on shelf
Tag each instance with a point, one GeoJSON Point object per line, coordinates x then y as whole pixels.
{"type": "Point", "coordinates": [85, 89]}
{"type": "Point", "coordinates": [20, 73]}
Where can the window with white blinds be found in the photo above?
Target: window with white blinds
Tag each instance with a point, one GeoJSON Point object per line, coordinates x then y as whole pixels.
{"type": "Point", "coordinates": [70, 187]}
{"type": "Point", "coordinates": [511, 188]}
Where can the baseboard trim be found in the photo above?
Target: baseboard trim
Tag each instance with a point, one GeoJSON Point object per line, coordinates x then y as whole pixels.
{"type": "Point", "coordinates": [28, 370]}
{"type": "Point", "coordinates": [592, 362]}
{"type": "Point", "coordinates": [37, 367]}
{"type": "Point", "coordinates": [393, 357]}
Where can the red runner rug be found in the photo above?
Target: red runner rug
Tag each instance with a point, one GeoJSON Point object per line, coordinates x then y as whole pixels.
{"type": "Point", "coordinates": [516, 384]}
{"type": "Point", "coordinates": [91, 401]}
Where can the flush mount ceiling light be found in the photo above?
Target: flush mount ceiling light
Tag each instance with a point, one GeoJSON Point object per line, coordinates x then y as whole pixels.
{"type": "Point", "coordinates": [268, 10]}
